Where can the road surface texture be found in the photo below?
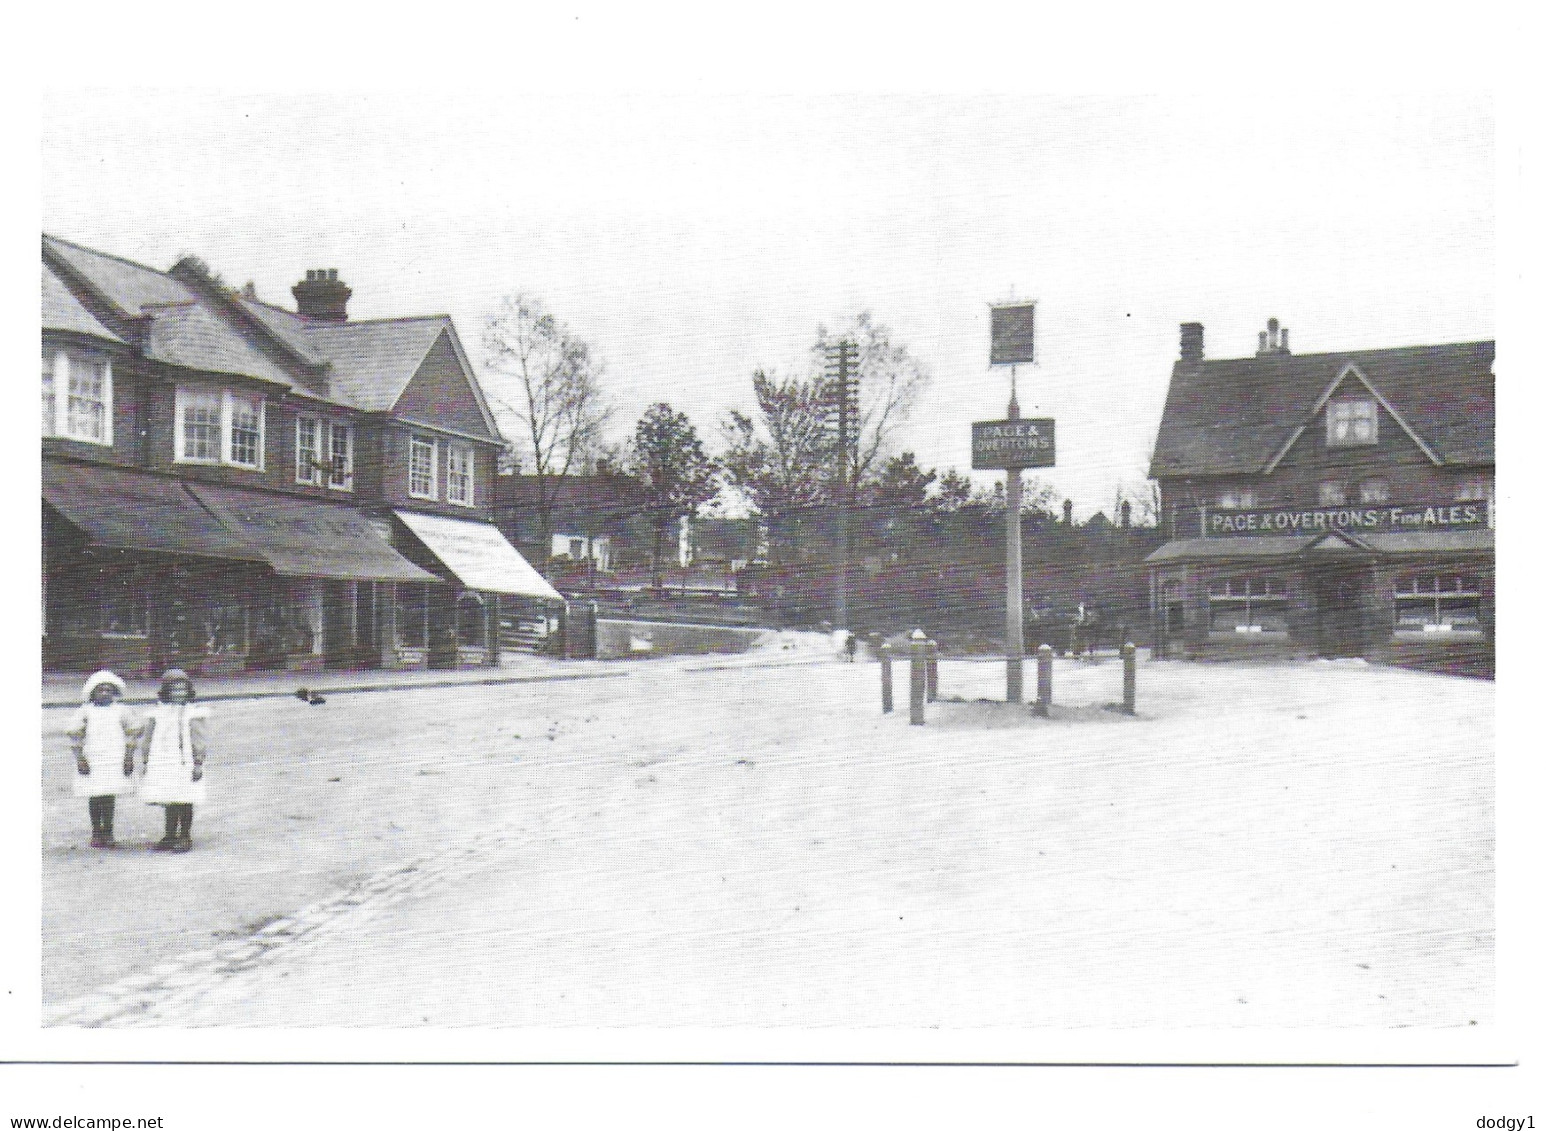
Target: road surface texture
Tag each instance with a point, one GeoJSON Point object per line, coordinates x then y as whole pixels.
{"type": "Point", "coordinates": [723, 844]}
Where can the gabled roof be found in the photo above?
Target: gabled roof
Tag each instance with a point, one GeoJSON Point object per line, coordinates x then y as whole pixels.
{"type": "Point", "coordinates": [599, 496]}
{"type": "Point", "coordinates": [1233, 416]}
{"type": "Point", "coordinates": [63, 311]}
{"type": "Point", "coordinates": [371, 363]}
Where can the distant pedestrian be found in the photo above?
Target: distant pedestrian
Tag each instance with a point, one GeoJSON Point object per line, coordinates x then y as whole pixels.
{"type": "Point", "coordinates": [174, 746]}
{"type": "Point", "coordinates": [102, 737]}
{"type": "Point", "coordinates": [851, 646]}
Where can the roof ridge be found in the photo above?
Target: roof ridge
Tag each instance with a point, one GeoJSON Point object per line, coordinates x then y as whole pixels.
{"type": "Point", "coordinates": [321, 325]}
{"type": "Point", "coordinates": [1346, 352]}
{"type": "Point", "coordinates": [108, 255]}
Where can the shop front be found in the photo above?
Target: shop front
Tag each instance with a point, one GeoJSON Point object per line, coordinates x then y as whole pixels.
{"type": "Point", "coordinates": [1404, 584]}
{"type": "Point", "coordinates": [458, 623]}
{"type": "Point", "coordinates": [142, 572]}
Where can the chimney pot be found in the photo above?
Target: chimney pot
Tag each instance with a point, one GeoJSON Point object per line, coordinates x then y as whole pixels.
{"type": "Point", "coordinates": [1283, 341]}
{"type": "Point", "coordinates": [1068, 512]}
{"type": "Point", "coordinates": [1191, 341]}
{"type": "Point", "coordinates": [1261, 343]}
{"type": "Point", "coordinates": [1127, 513]}
{"type": "Point", "coordinates": [321, 296]}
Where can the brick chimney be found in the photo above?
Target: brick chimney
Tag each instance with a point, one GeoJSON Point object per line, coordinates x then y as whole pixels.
{"type": "Point", "coordinates": [1191, 341]}
{"type": "Point", "coordinates": [322, 297]}
{"type": "Point", "coordinates": [1068, 512]}
{"type": "Point", "coordinates": [1271, 340]}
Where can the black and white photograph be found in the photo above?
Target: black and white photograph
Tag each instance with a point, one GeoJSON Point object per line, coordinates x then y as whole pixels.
{"type": "Point", "coordinates": [780, 576]}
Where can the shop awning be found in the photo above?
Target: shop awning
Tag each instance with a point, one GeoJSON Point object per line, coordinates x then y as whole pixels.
{"type": "Point", "coordinates": [478, 556]}
{"type": "Point", "coordinates": [301, 538]}
{"type": "Point", "coordinates": [128, 510]}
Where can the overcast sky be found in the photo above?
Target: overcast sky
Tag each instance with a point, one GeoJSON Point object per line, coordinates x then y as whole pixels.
{"type": "Point", "coordinates": [692, 239]}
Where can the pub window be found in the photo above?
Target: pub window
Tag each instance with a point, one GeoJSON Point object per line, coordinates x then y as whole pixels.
{"type": "Point", "coordinates": [1351, 422]}
{"type": "Point", "coordinates": [413, 615]}
{"type": "Point", "coordinates": [1473, 489]}
{"type": "Point", "coordinates": [1237, 497]}
{"type": "Point", "coordinates": [246, 430]}
{"type": "Point", "coordinates": [1251, 606]}
{"type": "Point", "coordinates": [1374, 491]}
{"type": "Point", "coordinates": [78, 397]}
{"type": "Point", "coordinates": [324, 449]}
{"type": "Point", "coordinates": [1444, 604]}
{"type": "Point", "coordinates": [225, 630]}
{"type": "Point", "coordinates": [459, 474]}
{"type": "Point", "coordinates": [470, 621]}
{"type": "Point", "coordinates": [1333, 493]}
{"type": "Point", "coordinates": [422, 457]}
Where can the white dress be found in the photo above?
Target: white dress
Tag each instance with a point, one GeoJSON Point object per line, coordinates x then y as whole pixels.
{"type": "Point", "coordinates": [177, 731]}
{"type": "Point", "coordinates": [105, 738]}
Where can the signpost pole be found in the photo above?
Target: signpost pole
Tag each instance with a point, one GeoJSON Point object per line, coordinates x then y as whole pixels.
{"type": "Point", "coordinates": [1014, 616]}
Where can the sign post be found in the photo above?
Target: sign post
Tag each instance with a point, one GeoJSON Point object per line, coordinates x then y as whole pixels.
{"type": "Point", "coordinates": [1013, 444]}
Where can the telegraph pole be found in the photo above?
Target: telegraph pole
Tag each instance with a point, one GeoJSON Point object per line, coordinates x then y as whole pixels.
{"type": "Point", "coordinates": [843, 381]}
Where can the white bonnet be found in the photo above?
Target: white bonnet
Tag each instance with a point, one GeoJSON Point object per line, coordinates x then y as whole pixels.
{"type": "Point", "coordinates": [96, 679]}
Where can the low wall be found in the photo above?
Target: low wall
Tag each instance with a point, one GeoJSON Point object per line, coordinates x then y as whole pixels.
{"type": "Point", "coordinates": [624, 639]}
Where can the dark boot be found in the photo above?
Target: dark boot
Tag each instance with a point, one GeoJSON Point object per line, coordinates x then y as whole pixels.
{"type": "Point", "coordinates": [184, 829]}
{"type": "Point", "coordinates": [94, 807]}
{"type": "Point", "coordinates": [109, 803]}
{"type": "Point", "coordinates": [170, 839]}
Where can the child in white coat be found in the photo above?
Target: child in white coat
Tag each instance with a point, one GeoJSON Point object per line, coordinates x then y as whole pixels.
{"type": "Point", "coordinates": [102, 737]}
{"type": "Point", "coordinates": [174, 745]}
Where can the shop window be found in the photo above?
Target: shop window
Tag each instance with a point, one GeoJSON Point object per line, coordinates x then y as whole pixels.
{"type": "Point", "coordinates": [225, 630]}
{"type": "Point", "coordinates": [413, 615]}
{"type": "Point", "coordinates": [1374, 491]}
{"type": "Point", "coordinates": [1446, 605]}
{"type": "Point", "coordinates": [1237, 498]}
{"type": "Point", "coordinates": [123, 607]}
{"type": "Point", "coordinates": [218, 427]}
{"type": "Point", "coordinates": [78, 397]}
{"type": "Point", "coordinates": [470, 621]}
{"type": "Point", "coordinates": [1352, 422]}
{"type": "Point", "coordinates": [1248, 606]}
{"type": "Point", "coordinates": [422, 457]}
{"type": "Point", "coordinates": [1333, 493]}
{"type": "Point", "coordinates": [459, 465]}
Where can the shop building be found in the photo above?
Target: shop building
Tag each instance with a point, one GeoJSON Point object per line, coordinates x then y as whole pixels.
{"type": "Point", "coordinates": [229, 484]}
{"type": "Point", "coordinates": [1329, 504]}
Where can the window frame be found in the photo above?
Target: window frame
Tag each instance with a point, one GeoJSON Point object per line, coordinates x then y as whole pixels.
{"type": "Point", "coordinates": [1411, 593]}
{"type": "Point", "coordinates": [1258, 592]}
{"type": "Point", "coordinates": [416, 440]}
{"type": "Point", "coordinates": [1323, 491]}
{"type": "Point", "coordinates": [60, 367]}
{"type": "Point", "coordinates": [308, 472]}
{"type": "Point", "coordinates": [1368, 489]}
{"type": "Point", "coordinates": [1237, 498]}
{"type": "Point", "coordinates": [1350, 410]}
{"type": "Point", "coordinates": [334, 482]}
{"type": "Point", "coordinates": [468, 452]}
{"type": "Point", "coordinates": [226, 399]}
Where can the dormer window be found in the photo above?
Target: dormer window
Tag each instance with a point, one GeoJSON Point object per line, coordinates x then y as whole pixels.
{"type": "Point", "coordinates": [423, 455]}
{"type": "Point", "coordinates": [1237, 498]}
{"type": "Point", "coordinates": [1374, 491]}
{"type": "Point", "coordinates": [324, 452]}
{"type": "Point", "coordinates": [1333, 493]}
{"type": "Point", "coordinates": [459, 485]}
{"type": "Point", "coordinates": [1350, 423]}
{"type": "Point", "coordinates": [78, 397]}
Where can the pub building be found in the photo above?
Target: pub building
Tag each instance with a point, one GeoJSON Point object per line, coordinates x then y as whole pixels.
{"type": "Point", "coordinates": [1327, 504]}
{"type": "Point", "coordinates": [229, 484]}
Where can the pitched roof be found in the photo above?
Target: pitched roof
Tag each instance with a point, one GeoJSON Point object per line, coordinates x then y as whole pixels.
{"type": "Point", "coordinates": [63, 311]}
{"type": "Point", "coordinates": [193, 337]}
{"type": "Point", "coordinates": [1234, 415]}
{"type": "Point", "coordinates": [372, 362]}
{"type": "Point", "coordinates": [129, 286]}
{"type": "Point", "coordinates": [596, 495]}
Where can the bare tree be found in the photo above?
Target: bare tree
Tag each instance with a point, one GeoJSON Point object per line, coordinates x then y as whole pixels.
{"type": "Point", "coordinates": [890, 381]}
{"type": "Point", "coordinates": [546, 385]}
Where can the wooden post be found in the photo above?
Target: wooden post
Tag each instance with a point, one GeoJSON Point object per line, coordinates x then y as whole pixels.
{"type": "Point", "coordinates": [1043, 679]}
{"type": "Point", "coordinates": [932, 673]}
{"type": "Point", "coordinates": [1129, 678]}
{"type": "Point", "coordinates": [918, 684]}
{"type": "Point", "coordinates": [1014, 614]}
{"type": "Point", "coordinates": [885, 678]}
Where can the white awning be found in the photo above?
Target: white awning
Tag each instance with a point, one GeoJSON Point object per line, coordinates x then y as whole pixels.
{"type": "Point", "coordinates": [478, 555]}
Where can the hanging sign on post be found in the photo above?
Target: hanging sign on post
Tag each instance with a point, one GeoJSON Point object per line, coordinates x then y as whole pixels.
{"type": "Point", "coordinates": [1013, 334]}
{"type": "Point", "coordinates": [1005, 444]}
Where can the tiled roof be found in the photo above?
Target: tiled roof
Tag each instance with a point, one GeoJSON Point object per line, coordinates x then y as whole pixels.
{"type": "Point", "coordinates": [63, 311]}
{"type": "Point", "coordinates": [194, 337]}
{"type": "Point", "coordinates": [129, 286]}
{"type": "Point", "coordinates": [372, 362]}
{"type": "Point", "coordinates": [287, 327]}
{"type": "Point", "coordinates": [1232, 416]}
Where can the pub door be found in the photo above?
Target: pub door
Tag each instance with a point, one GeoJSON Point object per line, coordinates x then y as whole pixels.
{"type": "Point", "coordinates": [1340, 626]}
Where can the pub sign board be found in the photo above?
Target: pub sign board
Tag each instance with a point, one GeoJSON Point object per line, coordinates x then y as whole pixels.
{"type": "Point", "coordinates": [1000, 445]}
{"type": "Point", "coordinates": [1013, 334]}
{"type": "Point", "coordinates": [1386, 518]}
